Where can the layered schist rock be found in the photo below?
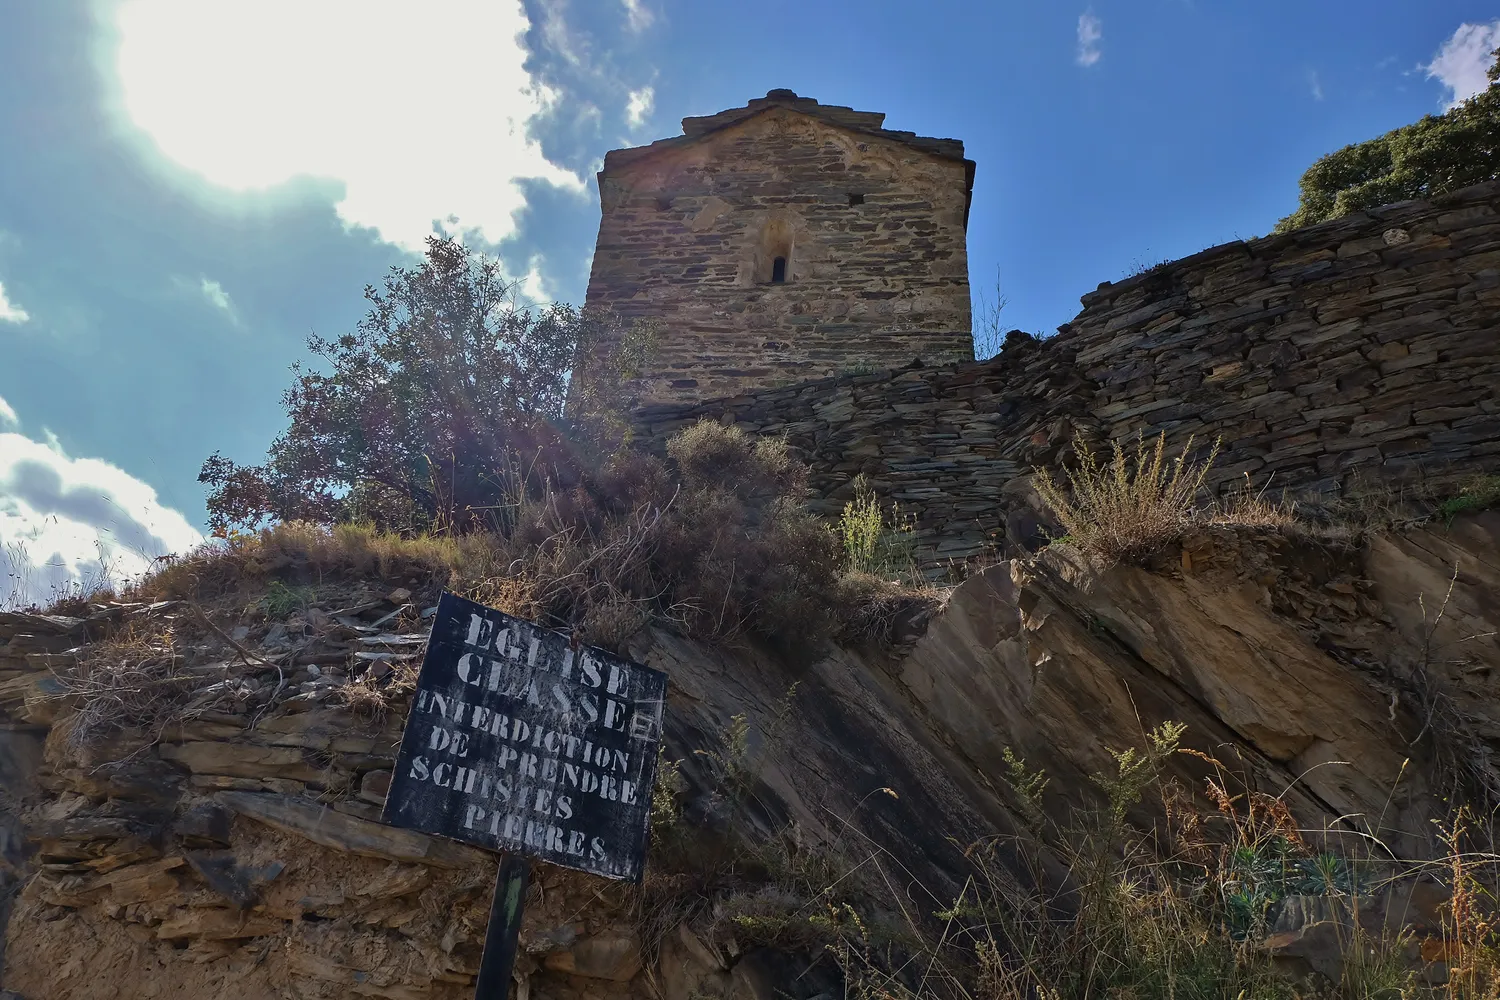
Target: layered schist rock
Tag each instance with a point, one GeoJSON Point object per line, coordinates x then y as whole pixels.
{"type": "Point", "coordinates": [241, 854]}
{"type": "Point", "coordinates": [1298, 662]}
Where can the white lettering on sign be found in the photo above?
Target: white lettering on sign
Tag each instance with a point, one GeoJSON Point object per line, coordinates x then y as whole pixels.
{"type": "Point", "coordinates": [518, 740]}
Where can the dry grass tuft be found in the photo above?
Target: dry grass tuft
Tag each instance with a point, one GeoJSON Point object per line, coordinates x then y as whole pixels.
{"type": "Point", "coordinates": [878, 610]}
{"type": "Point", "coordinates": [1371, 504]}
{"type": "Point", "coordinates": [370, 698]}
{"type": "Point", "coordinates": [1476, 494]}
{"type": "Point", "coordinates": [1253, 508]}
{"type": "Point", "coordinates": [1128, 509]}
{"type": "Point", "coordinates": [301, 553]}
{"type": "Point", "coordinates": [136, 680]}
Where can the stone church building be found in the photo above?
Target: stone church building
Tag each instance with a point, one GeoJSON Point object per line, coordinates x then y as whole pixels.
{"type": "Point", "coordinates": [784, 241]}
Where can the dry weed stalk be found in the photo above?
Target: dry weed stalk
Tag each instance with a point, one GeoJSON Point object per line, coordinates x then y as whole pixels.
{"type": "Point", "coordinates": [1459, 750]}
{"type": "Point", "coordinates": [1471, 930]}
{"type": "Point", "coordinates": [1129, 508]}
{"type": "Point", "coordinates": [1139, 917]}
{"type": "Point", "coordinates": [1182, 912]}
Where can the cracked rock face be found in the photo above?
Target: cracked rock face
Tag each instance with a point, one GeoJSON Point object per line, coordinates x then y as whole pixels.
{"type": "Point", "coordinates": [1298, 664]}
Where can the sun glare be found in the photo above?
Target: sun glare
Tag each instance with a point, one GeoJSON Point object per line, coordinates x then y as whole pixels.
{"type": "Point", "coordinates": [422, 109]}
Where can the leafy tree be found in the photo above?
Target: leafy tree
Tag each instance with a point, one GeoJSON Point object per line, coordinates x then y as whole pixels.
{"type": "Point", "coordinates": [446, 398]}
{"type": "Point", "coordinates": [1438, 154]}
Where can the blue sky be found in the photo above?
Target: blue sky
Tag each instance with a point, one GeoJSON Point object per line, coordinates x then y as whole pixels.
{"type": "Point", "coordinates": [188, 189]}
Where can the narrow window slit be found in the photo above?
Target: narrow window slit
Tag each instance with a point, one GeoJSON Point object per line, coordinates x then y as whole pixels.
{"type": "Point", "coordinates": [778, 271]}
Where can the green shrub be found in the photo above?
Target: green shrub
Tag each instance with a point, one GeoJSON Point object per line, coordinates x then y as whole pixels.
{"type": "Point", "coordinates": [1432, 156]}
{"type": "Point", "coordinates": [860, 527]}
{"type": "Point", "coordinates": [875, 543]}
{"type": "Point", "coordinates": [1480, 493]}
{"type": "Point", "coordinates": [281, 600]}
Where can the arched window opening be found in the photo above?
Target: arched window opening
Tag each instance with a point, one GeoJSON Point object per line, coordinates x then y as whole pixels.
{"type": "Point", "coordinates": [773, 255]}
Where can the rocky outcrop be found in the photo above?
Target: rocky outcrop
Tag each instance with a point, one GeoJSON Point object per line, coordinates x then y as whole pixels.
{"type": "Point", "coordinates": [1306, 666]}
{"type": "Point", "coordinates": [239, 854]}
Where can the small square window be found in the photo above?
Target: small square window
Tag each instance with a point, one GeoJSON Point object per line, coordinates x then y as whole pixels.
{"type": "Point", "coordinates": [855, 199]}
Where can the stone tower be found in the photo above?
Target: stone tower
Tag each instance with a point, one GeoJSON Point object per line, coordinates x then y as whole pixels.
{"type": "Point", "coordinates": [783, 241]}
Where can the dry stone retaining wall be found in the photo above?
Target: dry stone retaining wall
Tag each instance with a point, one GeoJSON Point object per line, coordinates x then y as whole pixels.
{"type": "Point", "coordinates": [1370, 342]}
{"type": "Point", "coordinates": [942, 443]}
{"type": "Point", "coordinates": [1367, 346]}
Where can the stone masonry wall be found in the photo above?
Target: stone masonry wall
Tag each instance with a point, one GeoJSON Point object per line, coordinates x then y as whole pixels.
{"type": "Point", "coordinates": [1366, 348]}
{"type": "Point", "coordinates": [872, 228]}
{"type": "Point", "coordinates": [942, 443]}
{"type": "Point", "coordinates": [1366, 343]}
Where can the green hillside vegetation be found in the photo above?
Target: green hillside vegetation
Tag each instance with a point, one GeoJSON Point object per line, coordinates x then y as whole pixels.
{"type": "Point", "coordinates": [1438, 154]}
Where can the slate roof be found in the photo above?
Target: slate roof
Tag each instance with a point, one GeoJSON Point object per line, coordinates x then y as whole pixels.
{"type": "Point", "coordinates": [859, 122]}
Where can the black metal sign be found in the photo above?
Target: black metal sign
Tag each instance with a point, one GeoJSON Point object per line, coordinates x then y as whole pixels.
{"type": "Point", "coordinates": [520, 740]}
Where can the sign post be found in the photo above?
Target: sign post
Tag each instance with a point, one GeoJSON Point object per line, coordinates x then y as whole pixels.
{"type": "Point", "coordinates": [500, 936]}
{"type": "Point", "coordinates": [520, 740]}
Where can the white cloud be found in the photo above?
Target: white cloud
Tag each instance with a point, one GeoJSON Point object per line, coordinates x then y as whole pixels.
{"type": "Point", "coordinates": [639, 106]}
{"type": "Point", "coordinates": [9, 311]}
{"type": "Point", "coordinates": [423, 111]}
{"type": "Point", "coordinates": [8, 416]}
{"type": "Point", "coordinates": [1464, 59]}
{"type": "Point", "coordinates": [637, 16]}
{"type": "Point", "coordinates": [1315, 84]}
{"type": "Point", "coordinates": [533, 286]}
{"type": "Point", "coordinates": [215, 294]}
{"type": "Point", "coordinates": [559, 37]}
{"type": "Point", "coordinates": [69, 523]}
{"type": "Point", "coordinates": [208, 290]}
{"type": "Point", "coordinates": [1090, 33]}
